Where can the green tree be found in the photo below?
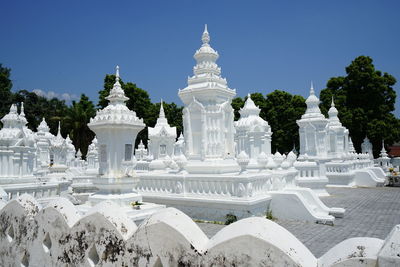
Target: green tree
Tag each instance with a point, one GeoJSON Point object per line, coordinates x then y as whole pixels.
{"type": "Point", "coordinates": [38, 107]}
{"type": "Point", "coordinates": [76, 120]}
{"type": "Point", "coordinates": [365, 99]}
{"type": "Point", "coordinates": [237, 104]}
{"type": "Point", "coordinates": [281, 111]}
{"type": "Point", "coordinates": [109, 81]}
{"type": "Point", "coordinates": [5, 91]}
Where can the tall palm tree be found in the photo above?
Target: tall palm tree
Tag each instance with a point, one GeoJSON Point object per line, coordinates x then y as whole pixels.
{"type": "Point", "coordinates": [76, 120]}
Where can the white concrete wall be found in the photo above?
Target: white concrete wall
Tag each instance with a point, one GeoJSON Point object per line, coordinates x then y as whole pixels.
{"type": "Point", "coordinates": [57, 235]}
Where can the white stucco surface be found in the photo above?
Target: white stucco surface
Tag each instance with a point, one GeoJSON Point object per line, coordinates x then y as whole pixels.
{"type": "Point", "coordinates": [57, 235]}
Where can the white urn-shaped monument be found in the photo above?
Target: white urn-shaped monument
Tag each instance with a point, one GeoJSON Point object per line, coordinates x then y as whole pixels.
{"type": "Point", "coordinates": [116, 128]}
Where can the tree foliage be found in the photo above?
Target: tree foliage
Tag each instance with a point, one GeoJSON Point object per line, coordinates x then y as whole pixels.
{"type": "Point", "coordinates": [76, 120]}
{"type": "Point", "coordinates": [5, 91]}
{"type": "Point", "coordinates": [282, 111]}
{"type": "Point", "coordinates": [237, 104]}
{"type": "Point", "coordinates": [38, 107]}
{"type": "Point", "coordinates": [365, 99]}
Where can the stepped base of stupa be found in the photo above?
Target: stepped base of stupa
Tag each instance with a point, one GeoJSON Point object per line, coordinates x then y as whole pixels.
{"type": "Point", "coordinates": [212, 196]}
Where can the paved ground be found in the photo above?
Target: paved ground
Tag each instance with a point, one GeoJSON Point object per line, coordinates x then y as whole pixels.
{"type": "Point", "coordinates": [370, 212]}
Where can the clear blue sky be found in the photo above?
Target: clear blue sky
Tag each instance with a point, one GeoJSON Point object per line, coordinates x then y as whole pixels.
{"type": "Point", "coordinates": [69, 46]}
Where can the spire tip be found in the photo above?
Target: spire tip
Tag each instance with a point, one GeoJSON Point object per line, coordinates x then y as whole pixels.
{"type": "Point", "coordinates": [206, 36]}
{"type": "Point", "coordinates": [312, 92]}
{"type": "Point", "coordinates": [117, 72]}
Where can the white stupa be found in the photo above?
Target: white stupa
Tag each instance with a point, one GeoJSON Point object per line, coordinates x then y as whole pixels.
{"type": "Point", "coordinates": [17, 145]}
{"type": "Point", "coordinates": [116, 128]}
{"type": "Point", "coordinates": [312, 129]}
{"type": "Point", "coordinates": [366, 147]}
{"type": "Point", "coordinates": [313, 146]}
{"type": "Point", "coordinates": [161, 140]}
{"type": "Point", "coordinates": [43, 141]}
{"type": "Point", "coordinates": [325, 143]}
{"type": "Point", "coordinates": [338, 135]}
{"type": "Point", "coordinates": [384, 160]}
{"type": "Point", "coordinates": [253, 134]}
{"type": "Point", "coordinates": [208, 115]}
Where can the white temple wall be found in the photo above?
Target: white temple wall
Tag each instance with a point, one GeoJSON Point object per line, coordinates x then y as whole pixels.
{"type": "Point", "coordinates": [193, 133]}
{"type": "Point", "coordinates": [16, 162]}
{"type": "Point", "coordinates": [253, 143]}
{"type": "Point", "coordinates": [208, 132]}
{"type": "Point", "coordinates": [43, 155]}
{"type": "Point", "coordinates": [58, 235]}
{"type": "Point", "coordinates": [161, 147]}
{"type": "Point", "coordinates": [228, 131]}
{"type": "Point", "coordinates": [112, 154]}
{"type": "Point", "coordinates": [337, 143]}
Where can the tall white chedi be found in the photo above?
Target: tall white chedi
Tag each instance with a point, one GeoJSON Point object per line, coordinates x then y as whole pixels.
{"type": "Point", "coordinates": [116, 128]}
{"type": "Point", "coordinates": [253, 134]}
{"type": "Point", "coordinates": [161, 140]}
{"type": "Point", "coordinates": [312, 129]}
{"type": "Point", "coordinates": [208, 115]}
{"type": "Point", "coordinates": [338, 135]}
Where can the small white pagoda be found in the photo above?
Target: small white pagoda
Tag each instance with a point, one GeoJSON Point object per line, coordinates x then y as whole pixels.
{"type": "Point", "coordinates": [141, 152]}
{"type": "Point", "coordinates": [253, 134]}
{"type": "Point", "coordinates": [384, 161]}
{"type": "Point", "coordinates": [43, 142]}
{"type": "Point", "coordinates": [58, 154]}
{"type": "Point", "coordinates": [338, 135]}
{"type": "Point", "coordinates": [366, 147]}
{"type": "Point", "coordinates": [161, 141]}
{"type": "Point", "coordinates": [313, 145]}
{"type": "Point", "coordinates": [116, 128]}
{"type": "Point", "coordinates": [25, 157]}
{"type": "Point", "coordinates": [312, 129]}
{"type": "Point", "coordinates": [70, 152]}
{"type": "Point", "coordinates": [17, 145]}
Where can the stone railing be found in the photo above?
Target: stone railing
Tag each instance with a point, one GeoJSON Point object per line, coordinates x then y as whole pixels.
{"type": "Point", "coordinates": [58, 236]}
{"type": "Point", "coordinates": [248, 185]}
{"type": "Point", "coordinates": [339, 167]}
{"type": "Point", "coordinates": [37, 190]}
{"type": "Point", "coordinates": [307, 169]}
{"type": "Point", "coordinates": [340, 173]}
{"type": "Point", "coordinates": [362, 163]}
{"type": "Point", "coordinates": [142, 165]}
